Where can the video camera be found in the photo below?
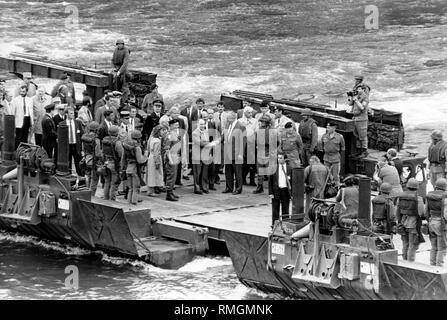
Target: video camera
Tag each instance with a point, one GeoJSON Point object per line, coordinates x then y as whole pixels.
{"type": "Point", "coordinates": [352, 93]}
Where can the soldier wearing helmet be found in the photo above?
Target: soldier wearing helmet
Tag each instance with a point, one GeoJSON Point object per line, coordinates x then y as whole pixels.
{"type": "Point", "coordinates": [112, 149]}
{"type": "Point", "coordinates": [437, 155]}
{"type": "Point", "coordinates": [133, 156]}
{"type": "Point", "coordinates": [91, 146]}
{"type": "Point", "coordinates": [409, 213]}
{"type": "Point", "coordinates": [120, 60]}
{"type": "Point", "coordinates": [383, 217]}
{"type": "Point", "coordinates": [435, 213]}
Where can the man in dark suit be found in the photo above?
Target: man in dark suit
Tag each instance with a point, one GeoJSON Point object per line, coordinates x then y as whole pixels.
{"type": "Point", "coordinates": [49, 132]}
{"type": "Point", "coordinates": [61, 114]}
{"type": "Point", "coordinates": [233, 139]}
{"type": "Point", "coordinates": [279, 189]}
{"type": "Point", "coordinates": [75, 133]}
{"type": "Point", "coordinates": [153, 119]}
{"type": "Point", "coordinates": [214, 133]}
{"type": "Point", "coordinates": [106, 123]}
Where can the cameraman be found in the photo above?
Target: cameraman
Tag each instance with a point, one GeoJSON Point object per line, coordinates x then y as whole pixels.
{"type": "Point", "coordinates": [359, 101]}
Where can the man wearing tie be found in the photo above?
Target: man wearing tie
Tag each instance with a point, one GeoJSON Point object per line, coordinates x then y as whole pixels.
{"type": "Point", "coordinates": [84, 113]}
{"type": "Point", "coordinates": [22, 108]}
{"type": "Point", "coordinates": [106, 124]}
{"type": "Point", "coordinates": [125, 127]}
{"type": "Point", "coordinates": [233, 138]}
{"type": "Point", "coordinates": [152, 120]}
{"type": "Point", "coordinates": [75, 133]}
{"type": "Point", "coordinates": [201, 149]}
{"type": "Point", "coordinates": [134, 122]}
{"type": "Point", "coordinates": [279, 189]}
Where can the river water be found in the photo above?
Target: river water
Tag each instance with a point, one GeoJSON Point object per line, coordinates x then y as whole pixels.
{"type": "Point", "coordinates": [203, 48]}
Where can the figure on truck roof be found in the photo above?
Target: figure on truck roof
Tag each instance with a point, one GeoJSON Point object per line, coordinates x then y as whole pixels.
{"type": "Point", "coordinates": [120, 60]}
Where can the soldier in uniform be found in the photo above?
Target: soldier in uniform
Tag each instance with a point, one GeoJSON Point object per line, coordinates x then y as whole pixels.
{"type": "Point", "coordinates": [435, 214]}
{"type": "Point", "coordinates": [437, 155]}
{"type": "Point", "coordinates": [120, 60]}
{"type": "Point", "coordinates": [333, 145]}
{"type": "Point", "coordinates": [410, 209]}
{"type": "Point", "coordinates": [133, 156]}
{"type": "Point", "coordinates": [171, 158]}
{"type": "Point", "coordinates": [383, 217]}
{"type": "Point", "coordinates": [112, 149]}
{"type": "Point", "coordinates": [291, 145]}
{"type": "Point", "coordinates": [266, 142]}
{"type": "Point", "coordinates": [359, 105]}
{"type": "Point", "coordinates": [359, 82]}
{"type": "Point", "coordinates": [308, 131]}
{"type": "Point", "coordinates": [92, 154]}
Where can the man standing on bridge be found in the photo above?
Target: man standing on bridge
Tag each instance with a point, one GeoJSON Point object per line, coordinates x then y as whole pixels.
{"type": "Point", "coordinates": [120, 61]}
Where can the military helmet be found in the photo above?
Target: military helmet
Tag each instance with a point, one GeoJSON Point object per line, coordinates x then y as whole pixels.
{"type": "Point", "coordinates": [441, 184]}
{"type": "Point", "coordinates": [437, 134]}
{"type": "Point", "coordinates": [93, 126]}
{"type": "Point", "coordinates": [385, 187]}
{"type": "Point", "coordinates": [114, 130]}
{"type": "Point", "coordinates": [136, 134]}
{"type": "Point", "coordinates": [412, 184]}
{"type": "Point", "coordinates": [119, 41]}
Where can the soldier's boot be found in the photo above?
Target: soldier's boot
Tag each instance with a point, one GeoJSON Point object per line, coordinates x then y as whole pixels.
{"type": "Point", "coordinates": [175, 196]}
{"type": "Point", "coordinates": [363, 153]}
{"type": "Point", "coordinates": [259, 189]}
{"type": "Point", "coordinates": [170, 196]}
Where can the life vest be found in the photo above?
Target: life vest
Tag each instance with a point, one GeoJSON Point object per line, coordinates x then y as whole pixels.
{"type": "Point", "coordinates": [305, 129]}
{"type": "Point", "coordinates": [379, 207]}
{"type": "Point", "coordinates": [129, 150]}
{"type": "Point", "coordinates": [436, 153]}
{"type": "Point", "coordinates": [408, 203]}
{"type": "Point", "coordinates": [108, 147]}
{"type": "Point", "coordinates": [89, 143]}
{"type": "Point", "coordinates": [434, 203]}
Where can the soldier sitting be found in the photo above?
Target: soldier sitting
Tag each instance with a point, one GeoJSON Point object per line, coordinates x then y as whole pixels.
{"type": "Point", "coordinates": [383, 217]}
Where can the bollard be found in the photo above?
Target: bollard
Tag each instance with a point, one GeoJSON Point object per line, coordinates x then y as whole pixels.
{"type": "Point", "coordinates": [9, 149]}
{"type": "Point", "coordinates": [63, 150]}
{"type": "Point", "coordinates": [298, 195]}
{"type": "Point", "coordinates": [365, 201]}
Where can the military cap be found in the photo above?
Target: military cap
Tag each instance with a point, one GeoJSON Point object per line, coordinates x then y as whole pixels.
{"type": "Point", "coordinates": [332, 123]}
{"type": "Point", "coordinates": [92, 126]}
{"type": "Point", "coordinates": [358, 77]}
{"type": "Point", "coordinates": [114, 130]}
{"type": "Point", "coordinates": [50, 107]}
{"type": "Point", "coordinates": [27, 74]}
{"type": "Point", "coordinates": [119, 41]}
{"type": "Point", "coordinates": [117, 93]}
{"type": "Point", "coordinates": [306, 112]}
{"type": "Point", "coordinates": [158, 101]}
{"type": "Point", "coordinates": [264, 104]}
{"type": "Point", "coordinates": [385, 187]}
{"type": "Point", "coordinates": [124, 113]}
{"type": "Point", "coordinates": [265, 118]}
{"type": "Point", "coordinates": [63, 76]}
{"type": "Point", "coordinates": [441, 184]}
{"type": "Point", "coordinates": [412, 184]}
{"type": "Point", "coordinates": [437, 134]}
{"type": "Point", "coordinates": [136, 134]}
{"type": "Point", "coordinates": [173, 121]}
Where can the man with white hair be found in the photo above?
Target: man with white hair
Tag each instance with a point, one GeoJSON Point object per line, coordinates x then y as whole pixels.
{"type": "Point", "coordinates": [250, 124]}
{"type": "Point", "coordinates": [40, 100]}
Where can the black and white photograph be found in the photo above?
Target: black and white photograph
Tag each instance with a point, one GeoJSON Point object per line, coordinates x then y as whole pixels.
{"type": "Point", "coordinates": [223, 156]}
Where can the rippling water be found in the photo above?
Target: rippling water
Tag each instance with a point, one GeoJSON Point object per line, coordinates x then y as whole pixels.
{"type": "Point", "coordinates": [208, 47]}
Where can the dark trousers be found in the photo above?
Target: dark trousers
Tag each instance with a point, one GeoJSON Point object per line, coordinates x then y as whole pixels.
{"type": "Point", "coordinates": [178, 178]}
{"type": "Point", "coordinates": [73, 154]}
{"type": "Point", "coordinates": [200, 172]}
{"type": "Point", "coordinates": [233, 172]}
{"type": "Point", "coordinates": [282, 202]}
{"type": "Point", "coordinates": [170, 172]}
{"type": "Point", "coordinates": [212, 175]}
{"type": "Point", "coordinates": [49, 148]}
{"type": "Point", "coordinates": [22, 133]}
{"type": "Point", "coordinates": [38, 138]}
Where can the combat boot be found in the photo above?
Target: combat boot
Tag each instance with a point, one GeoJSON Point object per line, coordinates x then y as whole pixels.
{"type": "Point", "coordinates": [363, 153]}
{"type": "Point", "coordinates": [259, 189]}
{"type": "Point", "coordinates": [170, 196]}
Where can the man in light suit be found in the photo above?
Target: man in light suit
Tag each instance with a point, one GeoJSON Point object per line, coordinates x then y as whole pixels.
{"type": "Point", "coordinates": [22, 108]}
{"type": "Point", "coordinates": [233, 140]}
{"type": "Point", "coordinates": [75, 133]}
{"type": "Point", "coordinates": [201, 153]}
{"type": "Point", "coordinates": [280, 189]}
